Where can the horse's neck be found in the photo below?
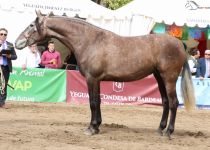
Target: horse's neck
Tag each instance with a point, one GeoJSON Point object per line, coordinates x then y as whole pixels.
{"type": "Point", "coordinates": [73, 34]}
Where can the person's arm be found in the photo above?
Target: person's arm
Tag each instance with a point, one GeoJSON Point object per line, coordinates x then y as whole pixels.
{"type": "Point", "coordinates": [38, 58]}
{"type": "Point", "coordinates": [56, 62]}
{"type": "Point", "coordinates": [44, 60]}
{"type": "Point", "coordinates": [12, 55]}
{"type": "Point", "coordinates": [199, 69]}
{"type": "Point", "coordinates": [24, 60]}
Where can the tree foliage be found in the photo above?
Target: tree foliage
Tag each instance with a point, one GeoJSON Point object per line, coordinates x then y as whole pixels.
{"type": "Point", "coordinates": [115, 4]}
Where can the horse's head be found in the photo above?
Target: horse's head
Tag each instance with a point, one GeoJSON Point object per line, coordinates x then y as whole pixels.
{"type": "Point", "coordinates": [34, 33]}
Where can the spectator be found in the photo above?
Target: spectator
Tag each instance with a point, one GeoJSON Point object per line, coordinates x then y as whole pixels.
{"type": "Point", "coordinates": [32, 57]}
{"type": "Point", "coordinates": [51, 58]}
{"type": "Point", "coordinates": [193, 60]}
{"type": "Point", "coordinates": [203, 70]}
{"type": "Point", "coordinates": [7, 53]}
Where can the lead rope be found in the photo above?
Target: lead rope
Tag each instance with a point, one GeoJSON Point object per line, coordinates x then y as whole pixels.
{"type": "Point", "coordinates": [2, 82]}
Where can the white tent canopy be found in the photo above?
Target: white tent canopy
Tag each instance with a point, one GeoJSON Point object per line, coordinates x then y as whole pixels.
{"type": "Point", "coordinates": [180, 12]}
{"type": "Point", "coordinates": [17, 14]}
{"type": "Point", "coordinates": [83, 8]}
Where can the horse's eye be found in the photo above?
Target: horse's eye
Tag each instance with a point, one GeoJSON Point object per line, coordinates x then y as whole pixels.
{"type": "Point", "coordinates": [31, 25]}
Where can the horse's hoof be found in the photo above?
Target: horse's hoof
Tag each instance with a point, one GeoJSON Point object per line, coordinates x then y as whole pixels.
{"type": "Point", "coordinates": [159, 131]}
{"type": "Point", "coordinates": [168, 134]}
{"type": "Point", "coordinates": [91, 131]}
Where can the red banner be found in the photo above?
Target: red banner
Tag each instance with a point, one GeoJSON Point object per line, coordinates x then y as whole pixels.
{"type": "Point", "coordinates": [144, 91]}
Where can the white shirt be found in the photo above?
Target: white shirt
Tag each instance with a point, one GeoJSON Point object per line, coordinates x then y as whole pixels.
{"type": "Point", "coordinates": [192, 65]}
{"type": "Point", "coordinates": [3, 46]}
{"type": "Point", "coordinates": [31, 60]}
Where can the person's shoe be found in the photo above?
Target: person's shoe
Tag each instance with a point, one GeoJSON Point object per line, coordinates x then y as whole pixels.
{"type": "Point", "coordinates": [4, 106]}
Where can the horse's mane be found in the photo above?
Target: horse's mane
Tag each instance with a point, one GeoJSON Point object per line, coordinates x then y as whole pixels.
{"type": "Point", "coordinates": [37, 26]}
{"type": "Point", "coordinates": [79, 21]}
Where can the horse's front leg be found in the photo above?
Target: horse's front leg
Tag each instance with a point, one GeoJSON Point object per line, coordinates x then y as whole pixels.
{"type": "Point", "coordinates": [95, 101]}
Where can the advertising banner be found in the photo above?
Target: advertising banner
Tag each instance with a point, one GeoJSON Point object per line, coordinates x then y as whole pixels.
{"type": "Point", "coordinates": [139, 92]}
{"type": "Point", "coordinates": [202, 92]}
{"type": "Point", "coordinates": [55, 85]}
{"type": "Point", "coordinates": [37, 85]}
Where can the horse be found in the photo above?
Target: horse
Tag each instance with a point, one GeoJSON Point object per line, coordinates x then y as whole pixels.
{"type": "Point", "coordinates": [105, 56]}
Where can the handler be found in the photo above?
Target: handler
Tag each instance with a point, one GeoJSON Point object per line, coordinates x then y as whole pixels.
{"type": "Point", "coordinates": [7, 53]}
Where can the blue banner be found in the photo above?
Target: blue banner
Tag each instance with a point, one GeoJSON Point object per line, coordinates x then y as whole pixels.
{"type": "Point", "coordinates": [202, 92]}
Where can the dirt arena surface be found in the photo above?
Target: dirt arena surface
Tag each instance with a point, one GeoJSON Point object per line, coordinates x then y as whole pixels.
{"type": "Point", "coordinates": [60, 126]}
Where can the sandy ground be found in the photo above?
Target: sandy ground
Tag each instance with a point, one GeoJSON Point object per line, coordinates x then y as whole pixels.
{"type": "Point", "coordinates": [60, 126]}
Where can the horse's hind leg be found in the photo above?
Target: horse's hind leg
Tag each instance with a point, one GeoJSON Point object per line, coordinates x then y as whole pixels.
{"type": "Point", "coordinates": [95, 101]}
{"type": "Point", "coordinates": [162, 89]}
{"type": "Point", "coordinates": [173, 104]}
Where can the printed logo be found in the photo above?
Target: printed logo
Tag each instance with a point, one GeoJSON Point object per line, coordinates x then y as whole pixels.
{"type": "Point", "coordinates": [192, 5]}
{"type": "Point", "coordinates": [118, 86]}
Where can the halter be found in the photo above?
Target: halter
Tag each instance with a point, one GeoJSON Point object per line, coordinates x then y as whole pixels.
{"type": "Point", "coordinates": [28, 36]}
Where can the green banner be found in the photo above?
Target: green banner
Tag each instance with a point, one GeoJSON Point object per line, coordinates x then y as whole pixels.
{"type": "Point", "coordinates": [37, 85]}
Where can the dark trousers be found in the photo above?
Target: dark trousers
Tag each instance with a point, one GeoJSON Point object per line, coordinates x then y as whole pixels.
{"type": "Point", "coordinates": [3, 92]}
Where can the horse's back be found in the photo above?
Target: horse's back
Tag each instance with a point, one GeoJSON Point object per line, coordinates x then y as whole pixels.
{"type": "Point", "coordinates": [170, 48]}
{"type": "Point", "coordinates": [150, 48]}
{"type": "Point", "coordinates": [149, 44]}
{"type": "Point", "coordinates": [136, 57]}
{"type": "Point", "coordinates": [162, 42]}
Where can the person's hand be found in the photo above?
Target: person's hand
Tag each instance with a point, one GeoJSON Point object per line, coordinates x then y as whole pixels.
{"type": "Point", "coordinates": [8, 55]}
{"type": "Point", "coordinates": [50, 62]}
{"type": "Point", "coordinates": [53, 61]}
{"type": "Point", "coordinates": [201, 78]}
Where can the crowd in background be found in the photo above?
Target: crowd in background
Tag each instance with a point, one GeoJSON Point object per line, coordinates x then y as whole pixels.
{"type": "Point", "coordinates": [34, 57]}
{"type": "Point", "coordinates": [199, 66]}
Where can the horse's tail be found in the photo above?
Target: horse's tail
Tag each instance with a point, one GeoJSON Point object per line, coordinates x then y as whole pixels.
{"type": "Point", "coordinates": [187, 89]}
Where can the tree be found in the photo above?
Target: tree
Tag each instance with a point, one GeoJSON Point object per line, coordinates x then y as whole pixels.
{"type": "Point", "coordinates": [112, 4]}
{"type": "Point", "coordinates": [115, 4]}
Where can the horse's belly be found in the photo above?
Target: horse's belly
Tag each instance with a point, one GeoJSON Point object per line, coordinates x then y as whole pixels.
{"type": "Point", "coordinates": [126, 75]}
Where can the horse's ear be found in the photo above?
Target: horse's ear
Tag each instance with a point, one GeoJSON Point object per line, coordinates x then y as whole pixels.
{"type": "Point", "coordinates": [39, 20]}
{"type": "Point", "coordinates": [38, 13]}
